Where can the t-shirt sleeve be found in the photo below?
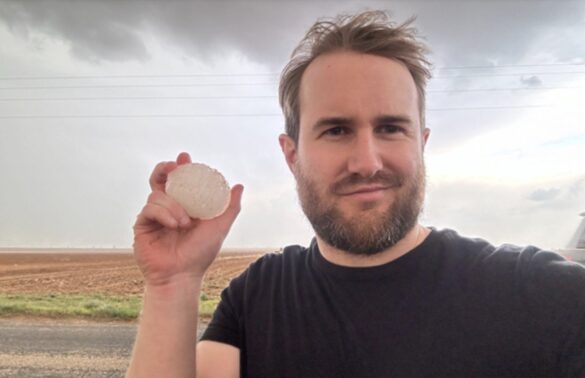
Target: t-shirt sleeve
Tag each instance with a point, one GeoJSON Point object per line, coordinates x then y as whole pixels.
{"type": "Point", "coordinates": [574, 351]}
{"type": "Point", "coordinates": [576, 358]}
{"type": "Point", "coordinates": [226, 323]}
{"type": "Point", "coordinates": [559, 287]}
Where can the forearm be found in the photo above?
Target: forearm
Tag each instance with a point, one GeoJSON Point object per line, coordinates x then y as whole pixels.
{"type": "Point", "coordinates": [167, 333]}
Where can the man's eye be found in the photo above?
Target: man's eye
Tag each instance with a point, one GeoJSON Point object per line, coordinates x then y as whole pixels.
{"type": "Point", "coordinates": [389, 129]}
{"type": "Point", "coordinates": [335, 131]}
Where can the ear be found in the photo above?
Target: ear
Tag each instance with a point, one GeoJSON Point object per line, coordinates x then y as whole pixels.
{"type": "Point", "coordinates": [425, 136]}
{"type": "Point", "coordinates": [289, 149]}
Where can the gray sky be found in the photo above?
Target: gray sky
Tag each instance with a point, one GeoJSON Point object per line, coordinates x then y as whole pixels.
{"type": "Point", "coordinates": [94, 94]}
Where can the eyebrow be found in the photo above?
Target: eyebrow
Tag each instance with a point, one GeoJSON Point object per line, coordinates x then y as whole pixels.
{"type": "Point", "coordinates": [400, 119]}
{"type": "Point", "coordinates": [346, 121]}
{"type": "Point", "coordinates": [332, 121]}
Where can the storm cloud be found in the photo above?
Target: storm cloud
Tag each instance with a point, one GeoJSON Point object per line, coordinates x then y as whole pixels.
{"type": "Point", "coordinates": [266, 31]}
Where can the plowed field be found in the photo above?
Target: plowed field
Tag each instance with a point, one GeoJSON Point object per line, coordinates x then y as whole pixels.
{"type": "Point", "coordinates": [113, 273]}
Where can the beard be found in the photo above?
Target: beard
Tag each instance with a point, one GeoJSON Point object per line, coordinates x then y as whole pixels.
{"type": "Point", "coordinates": [366, 232]}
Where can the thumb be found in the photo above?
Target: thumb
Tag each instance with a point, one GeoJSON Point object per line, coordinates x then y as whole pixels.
{"type": "Point", "coordinates": [229, 216]}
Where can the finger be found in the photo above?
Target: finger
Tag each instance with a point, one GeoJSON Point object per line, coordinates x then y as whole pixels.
{"type": "Point", "coordinates": [159, 175]}
{"type": "Point", "coordinates": [183, 158]}
{"type": "Point", "coordinates": [173, 207]}
{"type": "Point", "coordinates": [234, 207]}
{"type": "Point", "coordinates": [153, 214]}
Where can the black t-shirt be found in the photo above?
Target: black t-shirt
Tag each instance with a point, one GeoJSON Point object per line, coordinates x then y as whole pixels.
{"type": "Point", "coordinates": [451, 307]}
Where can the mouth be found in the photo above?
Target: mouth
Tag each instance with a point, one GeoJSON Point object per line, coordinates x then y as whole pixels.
{"type": "Point", "coordinates": [366, 193]}
{"type": "Point", "coordinates": [364, 189]}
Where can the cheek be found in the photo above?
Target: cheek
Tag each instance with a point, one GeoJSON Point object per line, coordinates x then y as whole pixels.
{"type": "Point", "coordinates": [402, 160]}
{"type": "Point", "coordinates": [412, 164]}
{"type": "Point", "coordinates": [319, 166]}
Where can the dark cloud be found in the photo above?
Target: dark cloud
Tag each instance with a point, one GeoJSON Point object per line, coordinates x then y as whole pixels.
{"type": "Point", "coordinates": [497, 32]}
{"type": "Point", "coordinates": [471, 32]}
{"type": "Point", "coordinates": [531, 81]}
{"type": "Point", "coordinates": [116, 31]}
{"type": "Point", "coordinates": [544, 194]}
{"type": "Point", "coordinates": [95, 30]}
{"type": "Point", "coordinates": [566, 197]}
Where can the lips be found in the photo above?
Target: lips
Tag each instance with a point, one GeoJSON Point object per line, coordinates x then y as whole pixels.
{"type": "Point", "coordinates": [355, 184]}
{"type": "Point", "coordinates": [364, 190]}
{"type": "Point", "coordinates": [366, 194]}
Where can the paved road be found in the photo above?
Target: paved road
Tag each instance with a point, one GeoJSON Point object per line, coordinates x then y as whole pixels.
{"type": "Point", "coordinates": [39, 348]}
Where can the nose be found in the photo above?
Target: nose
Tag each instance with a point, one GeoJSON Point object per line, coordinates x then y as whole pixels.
{"type": "Point", "coordinates": [365, 158]}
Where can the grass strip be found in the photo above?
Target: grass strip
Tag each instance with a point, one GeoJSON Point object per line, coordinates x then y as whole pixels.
{"type": "Point", "coordinates": [71, 305]}
{"type": "Point", "coordinates": [94, 306]}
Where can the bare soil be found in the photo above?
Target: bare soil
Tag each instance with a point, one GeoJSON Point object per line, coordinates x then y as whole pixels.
{"type": "Point", "coordinates": [90, 272]}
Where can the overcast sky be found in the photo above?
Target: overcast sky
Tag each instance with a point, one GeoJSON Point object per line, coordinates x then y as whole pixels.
{"type": "Point", "coordinates": [94, 93]}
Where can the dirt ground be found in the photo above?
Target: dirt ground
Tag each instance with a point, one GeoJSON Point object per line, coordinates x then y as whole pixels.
{"type": "Point", "coordinates": [87, 272]}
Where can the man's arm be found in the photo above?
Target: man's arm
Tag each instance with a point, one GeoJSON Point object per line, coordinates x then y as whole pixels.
{"type": "Point", "coordinates": [217, 360]}
{"type": "Point", "coordinates": [173, 252]}
{"type": "Point", "coordinates": [167, 336]}
{"type": "Point", "coordinates": [167, 333]}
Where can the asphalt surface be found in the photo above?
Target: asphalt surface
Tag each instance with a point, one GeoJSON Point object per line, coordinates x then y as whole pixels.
{"type": "Point", "coordinates": [47, 348]}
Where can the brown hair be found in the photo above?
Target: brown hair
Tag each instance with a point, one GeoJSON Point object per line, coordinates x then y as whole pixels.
{"type": "Point", "coordinates": [370, 32]}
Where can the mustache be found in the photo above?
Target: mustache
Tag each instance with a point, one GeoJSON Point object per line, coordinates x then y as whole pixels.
{"type": "Point", "coordinates": [384, 178]}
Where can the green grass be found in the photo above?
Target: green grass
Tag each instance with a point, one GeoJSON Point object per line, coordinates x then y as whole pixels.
{"type": "Point", "coordinates": [207, 306]}
{"type": "Point", "coordinates": [95, 306]}
{"type": "Point", "coordinates": [71, 305]}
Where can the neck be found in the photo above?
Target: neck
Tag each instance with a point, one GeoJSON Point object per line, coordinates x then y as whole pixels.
{"type": "Point", "coordinates": [340, 257]}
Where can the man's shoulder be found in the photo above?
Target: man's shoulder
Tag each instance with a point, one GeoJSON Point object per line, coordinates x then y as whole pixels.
{"type": "Point", "coordinates": [291, 253]}
{"type": "Point", "coordinates": [534, 267]}
{"type": "Point", "coordinates": [529, 256]}
{"type": "Point", "coordinates": [266, 277]}
{"type": "Point", "coordinates": [274, 264]}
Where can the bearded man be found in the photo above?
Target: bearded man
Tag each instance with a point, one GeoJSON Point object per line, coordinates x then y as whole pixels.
{"type": "Point", "coordinates": [375, 294]}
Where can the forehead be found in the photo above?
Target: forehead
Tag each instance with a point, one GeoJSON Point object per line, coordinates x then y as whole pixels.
{"type": "Point", "coordinates": [355, 84]}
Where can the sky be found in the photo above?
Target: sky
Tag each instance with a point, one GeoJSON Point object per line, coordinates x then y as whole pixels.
{"type": "Point", "coordinates": [94, 94]}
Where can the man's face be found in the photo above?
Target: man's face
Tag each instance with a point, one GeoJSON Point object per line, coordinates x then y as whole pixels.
{"type": "Point", "coordinates": [358, 161]}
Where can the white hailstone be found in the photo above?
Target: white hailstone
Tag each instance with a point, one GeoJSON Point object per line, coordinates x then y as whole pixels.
{"type": "Point", "coordinates": [202, 191]}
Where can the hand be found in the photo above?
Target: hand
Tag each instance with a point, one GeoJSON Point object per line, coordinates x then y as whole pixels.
{"type": "Point", "coordinates": [168, 244]}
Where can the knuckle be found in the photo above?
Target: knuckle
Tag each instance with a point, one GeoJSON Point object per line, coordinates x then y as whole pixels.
{"type": "Point", "coordinates": [157, 172]}
{"type": "Point", "coordinates": [159, 201]}
{"type": "Point", "coordinates": [141, 215]}
{"type": "Point", "coordinates": [159, 166]}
